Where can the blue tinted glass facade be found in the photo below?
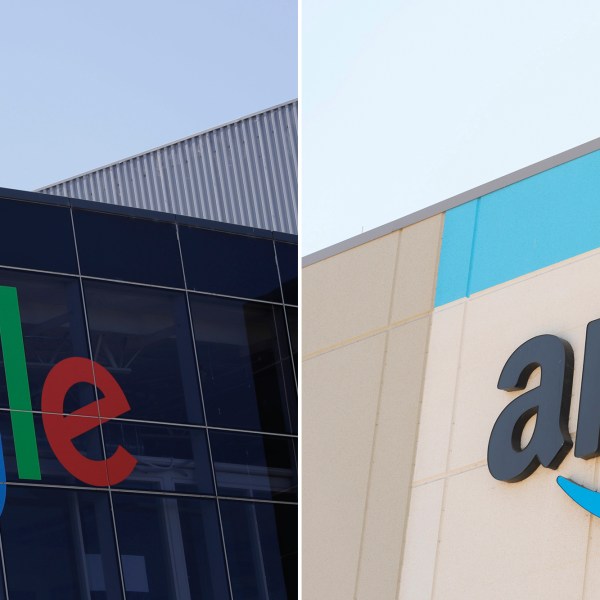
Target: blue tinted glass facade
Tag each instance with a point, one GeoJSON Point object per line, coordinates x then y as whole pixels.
{"type": "Point", "coordinates": [197, 325]}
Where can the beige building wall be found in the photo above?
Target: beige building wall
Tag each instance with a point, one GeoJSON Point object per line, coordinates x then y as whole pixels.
{"type": "Point", "coordinates": [366, 325]}
{"type": "Point", "coordinates": [470, 536]}
{"type": "Point", "coordinates": [399, 398]}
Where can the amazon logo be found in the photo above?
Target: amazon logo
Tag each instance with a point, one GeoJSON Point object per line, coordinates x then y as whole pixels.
{"type": "Point", "coordinates": [508, 459]}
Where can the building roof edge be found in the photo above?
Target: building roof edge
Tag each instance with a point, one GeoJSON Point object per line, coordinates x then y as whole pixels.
{"type": "Point", "coordinates": [144, 213]}
{"type": "Point", "coordinates": [453, 202]}
{"type": "Point", "coordinates": [114, 163]}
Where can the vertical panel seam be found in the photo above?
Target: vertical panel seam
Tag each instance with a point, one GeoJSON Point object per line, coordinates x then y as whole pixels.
{"type": "Point", "coordinates": [450, 439]}
{"type": "Point", "coordinates": [589, 540]}
{"type": "Point", "coordinates": [375, 425]}
{"type": "Point", "coordinates": [202, 401]}
{"type": "Point", "coordinates": [472, 252]}
{"type": "Point", "coordinates": [421, 392]}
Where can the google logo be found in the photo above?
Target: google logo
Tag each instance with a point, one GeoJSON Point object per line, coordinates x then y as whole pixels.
{"type": "Point", "coordinates": [61, 430]}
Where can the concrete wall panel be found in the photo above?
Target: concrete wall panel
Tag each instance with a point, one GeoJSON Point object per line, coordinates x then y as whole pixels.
{"type": "Point", "coordinates": [500, 540]}
{"type": "Point", "coordinates": [418, 565]}
{"type": "Point", "coordinates": [438, 392]}
{"type": "Point", "coordinates": [515, 263]}
{"type": "Point", "coordinates": [393, 457]}
{"type": "Point", "coordinates": [340, 390]}
{"type": "Point", "coordinates": [414, 285]}
{"type": "Point", "coordinates": [366, 316]}
{"type": "Point", "coordinates": [349, 295]}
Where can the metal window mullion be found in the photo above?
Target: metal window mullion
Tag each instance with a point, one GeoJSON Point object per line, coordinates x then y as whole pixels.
{"type": "Point", "coordinates": [287, 325]}
{"type": "Point", "coordinates": [212, 464]}
{"type": "Point", "coordinates": [87, 329]}
{"type": "Point", "coordinates": [3, 564]}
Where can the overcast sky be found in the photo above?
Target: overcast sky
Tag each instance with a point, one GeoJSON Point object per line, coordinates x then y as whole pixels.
{"type": "Point", "coordinates": [83, 84]}
{"type": "Point", "coordinates": [406, 103]}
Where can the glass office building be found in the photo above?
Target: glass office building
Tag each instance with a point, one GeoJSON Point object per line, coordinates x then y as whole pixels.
{"type": "Point", "coordinates": [196, 322]}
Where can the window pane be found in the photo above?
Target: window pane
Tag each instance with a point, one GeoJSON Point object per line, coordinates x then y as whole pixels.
{"type": "Point", "coordinates": [143, 337]}
{"type": "Point", "coordinates": [287, 259]}
{"type": "Point", "coordinates": [53, 329]}
{"type": "Point", "coordinates": [128, 249]}
{"type": "Point", "coordinates": [233, 265]}
{"type": "Point", "coordinates": [254, 466]}
{"type": "Point", "coordinates": [36, 236]}
{"type": "Point", "coordinates": [59, 544]}
{"type": "Point", "coordinates": [243, 352]}
{"type": "Point", "coordinates": [262, 549]}
{"type": "Point", "coordinates": [173, 459]}
{"type": "Point", "coordinates": [89, 444]}
{"type": "Point", "coordinates": [292, 322]}
{"type": "Point", "coordinates": [170, 548]}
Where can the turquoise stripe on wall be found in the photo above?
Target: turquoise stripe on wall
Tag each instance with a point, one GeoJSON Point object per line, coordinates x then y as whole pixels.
{"type": "Point", "coordinates": [526, 226]}
{"type": "Point", "coordinates": [455, 257]}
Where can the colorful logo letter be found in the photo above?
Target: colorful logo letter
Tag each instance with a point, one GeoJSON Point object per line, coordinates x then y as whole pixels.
{"type": "Point", "coordinates": [60, 429]}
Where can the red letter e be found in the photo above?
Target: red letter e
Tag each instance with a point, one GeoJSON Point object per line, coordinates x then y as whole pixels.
{"type": "Point", "coordinates": [61, 430]}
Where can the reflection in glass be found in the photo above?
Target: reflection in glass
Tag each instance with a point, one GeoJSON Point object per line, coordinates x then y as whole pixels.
{"type": "Point", "coordinates": [37, 236]}
{"type": "Point", "coordinates": [173, 459]}
{"type": "Point", "coordinates": [228, 264]}
{"type": "Point", "coordinates": [170, 548]}
{"type": "Point", "coordinates": [254, 466]}
{"type": "Point", "coordinates": [59, 544]}
{"type": "Point", "coordinates": [142, 336]}
{"type": "Point", "coordinates": [287, 260]}
{"type": "Point", "coordinates": [292, 323]}
{"type": "Point", "coordinates": [128, 249]}
{"type": "Point", "coordinates": [53, 329]}
{"type": "Point", "coordinates": [245, 367]}
{"type": "Point", "coordinates": [88, 445]}
{"type": "Point", "coordinates": [262, 549]}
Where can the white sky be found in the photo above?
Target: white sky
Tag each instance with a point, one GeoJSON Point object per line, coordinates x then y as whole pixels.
{"type": "Point", "coordinates": [407, 103]}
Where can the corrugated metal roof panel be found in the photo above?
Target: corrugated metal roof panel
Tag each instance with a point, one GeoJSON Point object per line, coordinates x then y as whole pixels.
{"type": "Point", "coordinates": [244, 172]}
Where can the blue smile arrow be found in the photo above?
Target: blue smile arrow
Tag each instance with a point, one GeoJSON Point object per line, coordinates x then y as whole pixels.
{"type": "Point", "coordinates": [587, 499]}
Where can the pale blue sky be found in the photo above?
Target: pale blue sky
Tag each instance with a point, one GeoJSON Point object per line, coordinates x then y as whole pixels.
{"type": "Point", "coordinates": [406, 102]}
{"type": "Point", "coordinates": [83, 84]}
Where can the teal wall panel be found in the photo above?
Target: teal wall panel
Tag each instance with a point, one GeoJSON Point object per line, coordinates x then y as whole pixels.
{"type": "Point", "coordinates": [521, 228]}
{"type": "Point", "coordinates": [455, 257]}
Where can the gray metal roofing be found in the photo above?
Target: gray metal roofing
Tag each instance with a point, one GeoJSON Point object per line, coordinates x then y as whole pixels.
{"type": "Point", "coordinates": [244, 172]}
{"type": "Point", "coordinates": [452, 202]}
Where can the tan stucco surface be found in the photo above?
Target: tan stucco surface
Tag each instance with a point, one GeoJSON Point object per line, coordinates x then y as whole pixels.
{"type": "Point", "coordinates": [399, 401]}
{"type": "Point", "coordinates": [472, 536]}
{"type": "Point", "coordinates": [366, 322]}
